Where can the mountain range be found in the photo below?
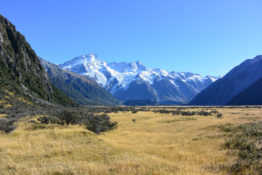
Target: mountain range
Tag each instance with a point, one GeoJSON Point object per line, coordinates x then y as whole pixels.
{"type": "Point", "coordinates": [87, 80]}
{"type": "Point", "coordinates": [134, 82]}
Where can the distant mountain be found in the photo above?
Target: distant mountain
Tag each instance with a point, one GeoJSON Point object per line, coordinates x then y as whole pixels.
{"type": "Point", "coordinates": [250, 96]}
{"type": "Point", "coordinates": [134, 82]}
{"type": "Point", "coordinates": [21, 71]}
{"type": "Point", "coordinates": [238, 79]}
{"type": "Point", "coordinates": [80, 88]}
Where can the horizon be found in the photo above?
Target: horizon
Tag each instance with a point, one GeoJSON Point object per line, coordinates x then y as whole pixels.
{"type": "Point", "coordinates": [206, 38]}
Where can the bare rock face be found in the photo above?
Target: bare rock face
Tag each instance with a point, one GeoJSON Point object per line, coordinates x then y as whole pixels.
{"type": "Point", "coordinates": [1, 38]}
{"type": "Point", "coordinates": [20, 62]}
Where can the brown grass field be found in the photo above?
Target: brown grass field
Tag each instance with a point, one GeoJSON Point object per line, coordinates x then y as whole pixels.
{"type": "Point", "coordinates": [144, 143]}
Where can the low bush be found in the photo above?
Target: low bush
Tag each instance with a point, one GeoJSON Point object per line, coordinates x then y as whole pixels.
{"type": "Point", "coordinates": [189, 113]}
{"type": "Point", "coordinates": [219, 115]}
{"type": "Point", "coordinates": [247, 140]}
{"type": "Point", "coordinates": [7, 125]}
{"type": "Point", "coordinates": [95, 123]}
{"type": "Point", "coordinates": [99, 123]}
{"type": "Point", "coordinates": [50, 119]}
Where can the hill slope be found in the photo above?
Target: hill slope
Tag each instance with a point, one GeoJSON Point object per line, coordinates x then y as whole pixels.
{"type": "Point", "coordinates": [238, 79]}
{"type": "Point", "coordinates": [20, 69]}
{"type": "Point", "coordinates": [134, 82]}
{"type": "Point", "coordinates": [250, 96]}
{"type": "Point", "coordinates": [81, 89]}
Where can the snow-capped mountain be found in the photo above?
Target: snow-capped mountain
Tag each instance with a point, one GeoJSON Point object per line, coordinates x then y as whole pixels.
{"type": "Point", "coordinates": [133, 81]}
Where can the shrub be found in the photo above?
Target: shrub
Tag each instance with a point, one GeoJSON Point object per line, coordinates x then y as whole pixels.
{"type": "Point", "coordinates": [99, 123]}
{"type": "Point", "coordinates": [68, 117]}
{"type": "Point", "coordinates": [49, 119]}
{"type": "Point", "coordinates": [247, 139]}
{"type": "Point", "coordinates": [188, 113]}
{"type": "Point", "coordinates": [7, 125]}
{"type": "Point", "coordinates": [95, 123]}
{"type": "Point", "coordinates": [219, 115]}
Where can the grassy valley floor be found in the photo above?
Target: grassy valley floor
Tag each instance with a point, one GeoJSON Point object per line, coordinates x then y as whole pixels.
{"type": "Point", "coordinates": [143, 143]}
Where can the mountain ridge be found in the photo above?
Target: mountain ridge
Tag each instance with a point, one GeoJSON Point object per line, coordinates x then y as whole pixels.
{"type": "Point", "coordinates": [236, 80]}
{"type": "Point", "coordinates": [252, 95]}
{"type": "Point", "coordinates": [80, 88]}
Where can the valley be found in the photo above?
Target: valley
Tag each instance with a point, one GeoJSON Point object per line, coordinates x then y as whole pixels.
{"type": "Point", "coordinates": [147, 140]}
{"type": "Point", "coordinates": [89, 116]}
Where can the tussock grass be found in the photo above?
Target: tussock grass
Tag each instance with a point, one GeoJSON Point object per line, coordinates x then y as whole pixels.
{"type": "Point", "coordinates": [246, 140]}
{"type": "Point", "coordinates": [154, 144]}
{"type": "Point", "coordinates": [178, 119]}
{"type": "Point", "coordinates": [159, 136]}
{"type": "Point", "coordinates": [2, 115]}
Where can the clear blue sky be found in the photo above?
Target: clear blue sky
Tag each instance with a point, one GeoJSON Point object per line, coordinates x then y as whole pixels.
{"type": "Point", "coordinates": [200, 36]}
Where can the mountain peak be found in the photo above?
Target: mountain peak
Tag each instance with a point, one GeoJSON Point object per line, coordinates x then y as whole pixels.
{"type": "Point", "coordinates": [90, 57]}
{"type": "Point", "coordinates": [258, 57]}
{"type": "Point", "coordinates": [82, 59]}
{"type": "Point", "coordinates": [162, 72]}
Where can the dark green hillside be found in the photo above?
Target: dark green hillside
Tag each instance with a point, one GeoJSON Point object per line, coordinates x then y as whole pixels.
{"type": "Point", "coordinates": [20, 68]}
{"type": "Point", "coordinates": [81, 89]}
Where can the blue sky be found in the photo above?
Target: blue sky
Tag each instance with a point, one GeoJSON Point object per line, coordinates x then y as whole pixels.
{"type": "Point", "coordinates": [203, 36]}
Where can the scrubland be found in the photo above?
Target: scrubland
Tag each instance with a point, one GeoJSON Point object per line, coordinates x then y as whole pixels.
{"type": "Point", "coordinates": [144, 142]}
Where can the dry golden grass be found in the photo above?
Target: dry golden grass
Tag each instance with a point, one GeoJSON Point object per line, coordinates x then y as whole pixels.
{"type": "Point", "coordinates": [152, 144]}
{"type": "Point", "coordinates": [2, 115]}
{"type": "Point", "coordinates": [21, 99]}
{"type": "Point", "coordinates": [5, 104]}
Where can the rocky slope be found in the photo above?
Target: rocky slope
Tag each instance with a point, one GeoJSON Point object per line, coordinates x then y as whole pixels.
{"type": "Point", "coordinates": [20, 68]}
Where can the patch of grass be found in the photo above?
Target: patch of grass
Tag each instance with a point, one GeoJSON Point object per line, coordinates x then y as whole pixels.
{"type": "Point", "coordinates": [7, 106]}
{"type": "Point", "coordinates": [70, 149]}
{"type": "Point", "coordinates": [59, 143]}
{"type": "Point", "coordinates": [247, 140]}
{"type": "Point", "coordinates": [2, 115]}
{"type": "Point", "coordinates": [178, 120]}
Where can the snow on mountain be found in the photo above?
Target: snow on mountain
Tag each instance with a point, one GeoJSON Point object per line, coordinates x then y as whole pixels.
{"type": "Point", "coordinates": [117, 78]}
